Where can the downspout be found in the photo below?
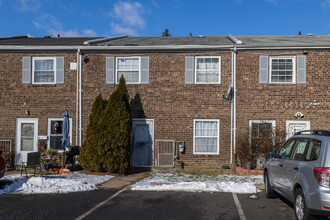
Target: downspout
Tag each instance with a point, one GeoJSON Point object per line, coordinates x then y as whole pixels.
{"type": "Point", "coordinates": [231, 110]}
{"type": "Point", "coordinates": [80, 73]}
{"type": "Point", "coordinates": [234, 85]}
{"type": "Point", "coordinates": [77, 100]}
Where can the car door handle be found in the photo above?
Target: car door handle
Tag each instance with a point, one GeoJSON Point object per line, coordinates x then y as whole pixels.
{"type": "Point", "coordinates": [296, 168]}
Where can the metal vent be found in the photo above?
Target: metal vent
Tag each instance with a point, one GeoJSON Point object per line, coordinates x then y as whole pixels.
{"type": "Point", "coordinates": [165, 150]}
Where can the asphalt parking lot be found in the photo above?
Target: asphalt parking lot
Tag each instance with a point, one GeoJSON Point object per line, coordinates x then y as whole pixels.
{"type": "Point", "coordinates": [108, 204]}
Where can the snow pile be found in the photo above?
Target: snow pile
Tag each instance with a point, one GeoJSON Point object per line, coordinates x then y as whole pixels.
{"type": "Point", "coordinates": [62, 183]}
{"type": "Point", "coordinates": [203, 183]}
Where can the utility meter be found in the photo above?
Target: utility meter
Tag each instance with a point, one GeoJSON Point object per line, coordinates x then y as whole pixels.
{"type": "Point", "coordinates": [181, 148]}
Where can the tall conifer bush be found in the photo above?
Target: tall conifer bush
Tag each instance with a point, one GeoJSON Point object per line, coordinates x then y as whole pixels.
{"type": "Point", "coordinates": [117, 122]}
{"type": "Point", "coordinates": [108, 142]}
{"type": "Point", "coordinates": [91, 151]}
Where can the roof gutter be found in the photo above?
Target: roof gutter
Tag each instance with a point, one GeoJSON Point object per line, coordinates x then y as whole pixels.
{"type": "Point", "coordinates": [123, 48]}
{"type": "Point", "coordinates": [150, 48]}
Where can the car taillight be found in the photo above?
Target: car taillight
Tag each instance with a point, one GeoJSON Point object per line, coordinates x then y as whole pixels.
{"type": "Point", "coordinates": [322, 176]}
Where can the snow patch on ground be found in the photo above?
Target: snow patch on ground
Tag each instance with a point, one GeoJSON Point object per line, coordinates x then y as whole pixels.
{"type": "Point", "coordinates": [200, 183]}
{"type": "Point", "coordinates": [61, 183]}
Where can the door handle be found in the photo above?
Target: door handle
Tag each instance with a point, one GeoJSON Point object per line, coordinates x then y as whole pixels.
{"type": "Point", "coordinates": [296, 168]}
{"type": "Point", "coordinates": [281, 165]}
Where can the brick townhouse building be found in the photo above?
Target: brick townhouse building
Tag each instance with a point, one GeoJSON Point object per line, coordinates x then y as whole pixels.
{"type": "Point", "coordinates": [198, 93]}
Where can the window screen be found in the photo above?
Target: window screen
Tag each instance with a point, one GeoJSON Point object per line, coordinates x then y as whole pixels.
{"type": "Point", "coordinates": [206, 136]}
{"type": "Point", "coordinates": [282, 70]}
{"type": "Point", "coordinates": [129, 68]}
{"type": "Point", "coordinates": [44, 70]}
{"type": "Point", "coordinates": [207, 70]}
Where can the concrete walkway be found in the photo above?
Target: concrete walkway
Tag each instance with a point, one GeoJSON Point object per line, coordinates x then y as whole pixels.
{"type": "Point", "coordinates": [122, 182]}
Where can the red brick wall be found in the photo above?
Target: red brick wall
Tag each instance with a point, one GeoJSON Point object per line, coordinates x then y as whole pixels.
{"type": "Point", "coordinates": [280, 102]}
{"type": "Point", "coordinates": [170, 102]}
{"type": "Point", "coordinates": [43, 101]}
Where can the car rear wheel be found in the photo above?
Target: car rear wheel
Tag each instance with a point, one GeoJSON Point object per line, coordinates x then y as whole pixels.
{"type": "Point", "coordinates": [300, 208]}
{"type": "Point", "coordinates": [269, 191]}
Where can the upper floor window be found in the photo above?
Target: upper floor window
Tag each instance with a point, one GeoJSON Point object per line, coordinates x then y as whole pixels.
{"type": "Point", "coordinates": [282, 70]}
{"type": "Point", "coordinates": [43, 70]}
{"type": "Point", "coordinates": [129, 67]}
{"type": "Point", "coordinates": [207, 70]}
{"type": "Point", "coordinates": [206, 136]}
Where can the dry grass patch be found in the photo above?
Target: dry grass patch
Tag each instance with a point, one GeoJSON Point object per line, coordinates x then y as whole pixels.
{"type": "Point", "coordinates": [197, 171]}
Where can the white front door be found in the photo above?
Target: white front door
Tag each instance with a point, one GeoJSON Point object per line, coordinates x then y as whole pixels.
{"type": "Point", "coordinates": [143, 139]}
{"type": "Point", "coordinates": [26, 138]}
{"type": "Point", "coordinates": [293, 127]}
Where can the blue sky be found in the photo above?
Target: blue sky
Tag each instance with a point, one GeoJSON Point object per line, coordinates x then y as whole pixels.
{"type": "Point", "coordinates": [81, 18]}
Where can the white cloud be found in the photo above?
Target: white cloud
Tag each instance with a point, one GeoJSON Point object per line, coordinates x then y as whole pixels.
{"type": "Point", "coordinates": [154, 2]}
{"type": "Point", "coordinates": [89, 33]}
{"type": "Point", "coordinates": [128, 18]}
{"type": "Point", "coordinates": [129, 13]}
{"type": "Point", "coordinates": [117, 29]}
{"type": "Point", "coordinates": [325, 4]}
{"type": "Point", "coordinates": [28, 5]}
{"type": "Point", "coordinates": [52, 26]}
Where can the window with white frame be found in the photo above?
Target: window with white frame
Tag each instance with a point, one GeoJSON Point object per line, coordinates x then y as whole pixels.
{"type": "Point", "coordinates": [44, 70]}
{"type": "Point", "coordinates": [129, 67]}
{"type": "Point", "coordinates": [282, 70]}
{"type": "Point", "coordinates": [55, 133]}
{"type": "Point", "coordinates": [206, 136]}
{"type": "Point", "coordinates": [207, 70]}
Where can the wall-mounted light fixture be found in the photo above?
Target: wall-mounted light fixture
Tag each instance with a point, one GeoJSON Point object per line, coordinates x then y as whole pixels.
{"type": "Point", "coordinates": [299, 115]}
{"type": "Point", "coordinates": [85, 58]}
{"type": "Point", "coordinates": [27, 112]}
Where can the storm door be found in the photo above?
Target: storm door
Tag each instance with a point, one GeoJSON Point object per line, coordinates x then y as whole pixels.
{"type": "Point", "coordinates": [142, 140]}
{"type": "Point", "coordinates": [26, 138]}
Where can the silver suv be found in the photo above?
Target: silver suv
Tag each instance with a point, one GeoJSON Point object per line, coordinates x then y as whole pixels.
{"type": "Point", "coordinates": [300, 172]}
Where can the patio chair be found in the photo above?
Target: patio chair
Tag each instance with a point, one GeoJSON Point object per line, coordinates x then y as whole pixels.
{"type": "Point", "coordinates": [33, 161]}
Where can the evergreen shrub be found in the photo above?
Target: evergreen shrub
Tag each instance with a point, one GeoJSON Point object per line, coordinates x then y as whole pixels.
{"type": "Point", "coordinates": [108, 138]}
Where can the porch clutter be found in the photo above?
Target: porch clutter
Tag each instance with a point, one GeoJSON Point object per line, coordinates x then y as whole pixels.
{"type": "Point", "coordinates": [33, 162]}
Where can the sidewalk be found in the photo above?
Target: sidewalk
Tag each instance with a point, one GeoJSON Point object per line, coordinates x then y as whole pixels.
{"type": "Point", "coordinates": [121, 182]}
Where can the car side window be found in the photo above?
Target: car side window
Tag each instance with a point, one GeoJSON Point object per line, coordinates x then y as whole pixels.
{"type": "Point", "coordinates": [284, 152]}
{"type": "Point", "coordinates": [299, 150]}
{"type": "Point", "coordinates": [313, 150]}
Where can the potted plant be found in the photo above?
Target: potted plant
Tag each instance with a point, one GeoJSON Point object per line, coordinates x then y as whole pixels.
{"type": "Point", "coordinates": [49, 153]}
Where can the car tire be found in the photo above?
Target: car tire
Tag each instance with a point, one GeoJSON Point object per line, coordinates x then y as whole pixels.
{"type": "Point", "coordinates": [301, 211]}
{"type": "Point", "coordinates": [268, 188]}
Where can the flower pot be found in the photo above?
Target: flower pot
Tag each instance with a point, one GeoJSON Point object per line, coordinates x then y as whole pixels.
{"type": "Point", "coordinates": [247, 165]}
